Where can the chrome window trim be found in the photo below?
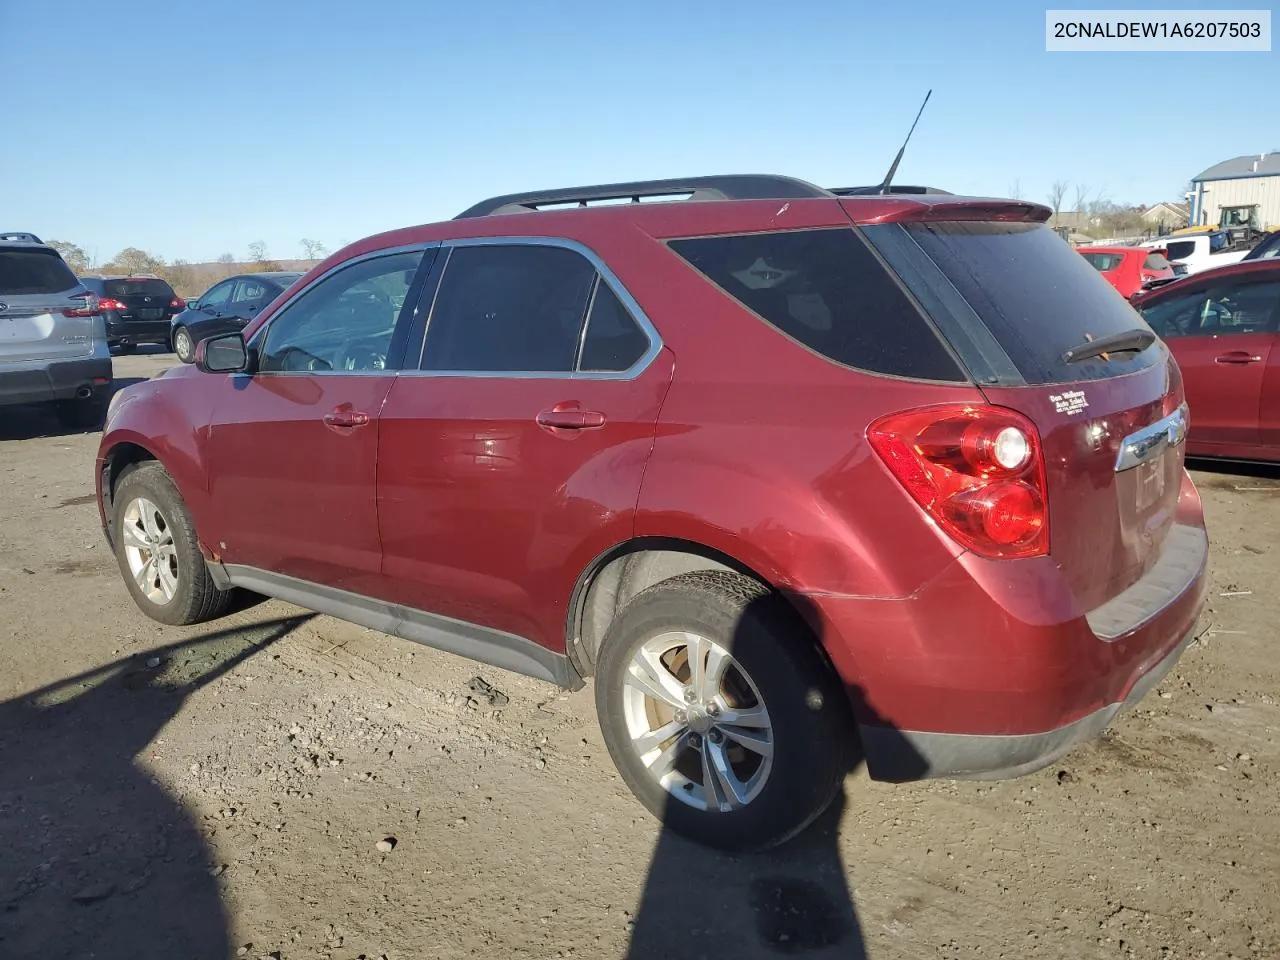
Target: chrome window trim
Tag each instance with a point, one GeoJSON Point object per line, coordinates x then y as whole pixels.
{"type": "Point", "coordinates": [1141, 445]}
{"type": "Point", "coordinates": [260, 334]}
{"type": "Point", "coordinates": [604, 273]}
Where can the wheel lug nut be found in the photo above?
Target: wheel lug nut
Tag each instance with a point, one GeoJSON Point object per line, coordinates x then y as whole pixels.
{"type": "Point", "coordinates": [716, 736]}
{"type": "Point", "coordinates": [713, 709]}
{"type": "Point", "coordinates": [680, 716]}
{"type": "Point", "coordinates": [695, 741]}
{"type": "Point", "coordinates": [689, 695]}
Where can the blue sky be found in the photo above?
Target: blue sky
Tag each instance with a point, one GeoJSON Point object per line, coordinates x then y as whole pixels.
{"type": "Point", "coordinates": [193, 129]}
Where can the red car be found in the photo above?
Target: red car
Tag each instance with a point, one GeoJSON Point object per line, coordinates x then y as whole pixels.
{"type": "Point", "coordinates": [1222, 327]}
{"type": "Point", "coordinates": [797, 478]}
{"type": "Point", "coordinates": [1131, 270]}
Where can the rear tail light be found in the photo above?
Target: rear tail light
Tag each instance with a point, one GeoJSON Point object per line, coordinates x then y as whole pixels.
{"type": "Point", "coordinates": [977, 470]}
{"type": "Point", "coordinates": [177, 303]}
{"type": "Point", "coordinates": [107, 303]}
{"type": "Point", "coordinates": [87, 306]}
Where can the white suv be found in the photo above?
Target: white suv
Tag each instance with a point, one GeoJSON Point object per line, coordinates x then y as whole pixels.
{"type": "Point", "coordinates": [1198, 251]}
{"type": "Point", "coordinates": [53, 343]}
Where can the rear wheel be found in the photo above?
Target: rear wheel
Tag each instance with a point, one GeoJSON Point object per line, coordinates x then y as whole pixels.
{"type": "Point", "coordinates": [156, 547]}
{"type": "Point", "coordinates": [720, 714]}
{"type": "Point", "coordinates": [183, 346]}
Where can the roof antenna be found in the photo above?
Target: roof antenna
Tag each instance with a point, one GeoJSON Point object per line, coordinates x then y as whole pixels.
{"type": "Point", "coordinates": [888, 177]}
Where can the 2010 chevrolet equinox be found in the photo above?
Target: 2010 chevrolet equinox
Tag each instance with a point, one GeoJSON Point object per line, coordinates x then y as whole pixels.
{"type": "Point", "coordinates": [795, 476]}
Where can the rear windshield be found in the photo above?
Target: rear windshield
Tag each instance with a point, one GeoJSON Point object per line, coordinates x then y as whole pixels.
{"type": "Point", "coordinates": [1035, 295]}
{"type": "Point", "coordinates": [1156, 261]}
{"type": "Point", "coordinates": [1103, 261]}
{"type": "Point", "coordinates": [34, 272]}
{"type": "Point", "coordinates": [826, 289]}
{"type": "Point", "coordinates": [138, 288]}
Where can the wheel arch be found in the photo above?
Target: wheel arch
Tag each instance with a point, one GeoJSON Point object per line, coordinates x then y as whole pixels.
{"type": "Point", "coordinates": [115, 460]}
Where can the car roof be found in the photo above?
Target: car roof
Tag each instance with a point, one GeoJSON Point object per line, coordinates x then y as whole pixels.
{"type": "Point", "coordinates": [1240, 269]}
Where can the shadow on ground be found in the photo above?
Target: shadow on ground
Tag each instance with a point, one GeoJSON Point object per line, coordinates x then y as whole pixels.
{"type": "Point", "coordinates": [28, 421]}
{"type": "Point", "coordinates": [794, 900]}
{"type": "Point", "coordinates": [97, 859]}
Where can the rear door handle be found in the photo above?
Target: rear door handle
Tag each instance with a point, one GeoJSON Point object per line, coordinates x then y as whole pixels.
{"type": "Point", "coordinates": [1237, 356]}
{"type": "Point", "coordinates": [346, 418]}
{"type": "Point", "coordinates": [570, 419]}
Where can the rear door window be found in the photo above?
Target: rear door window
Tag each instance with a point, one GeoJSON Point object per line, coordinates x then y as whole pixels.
{"type": "Point", "coordinates": [826, 290]}
{"type": "Point", "coordinates": [1219, 310]}
{"type": "Point", "coordinates": [1036, 296]}
{"type": "Point", "coordinates": [27, 272]}
{"type": "Point", "coordinates": [614, 342]}
{"type": "Point", "coordinates": [508, 308]}
{"type": "Point", "coordinates": [1102, 262]}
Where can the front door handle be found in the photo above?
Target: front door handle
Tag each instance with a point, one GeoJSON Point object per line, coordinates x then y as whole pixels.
{"type": "Point", "coordinates": [1237, 356]}
{"type": "Point", "coordinates": [346, 418]}
{"type": "Point", "coordinates": [570, 419]}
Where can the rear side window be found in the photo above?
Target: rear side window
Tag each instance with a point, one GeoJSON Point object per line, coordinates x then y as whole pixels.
{"type": "Point", "coordinates": [1156, 261]}
{"type": "Point", "coordinates": [1036, 296]}
{"type": "Point", "coordinates": [138, 288]}
{"type": "Point", "coordinates": [1220, 310]}
{"type": "Point", "coordinates": [25, 272]}
{"type": "Point", "coordinates": [826, 289]}
{"type": "Point", "coordinates": [509, 308]}
{"type": "Point", "coordinates": [1181, 249]}
{"type": "Point", "coordinates": [613, 341]}
{"type": "Point", "coordinates": [1103, 262]}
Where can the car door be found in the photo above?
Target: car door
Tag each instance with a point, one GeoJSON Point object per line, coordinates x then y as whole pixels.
{"type": "Point", "coordinates": [1222, 334]}
{"type": "Point", "coordinates": [293, 444]}
{"type": "Point", "coordinates": [514, 456]}
{"type": "Point", "coordinates": [216, 299]}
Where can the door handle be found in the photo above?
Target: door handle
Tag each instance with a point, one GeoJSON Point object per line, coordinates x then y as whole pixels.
{"type": "Point", "coordinates": [346, 418]}
{"type": "Point", "coordinates": [570, 419]}
{"type": "Point", "coordinates": [1237, 356]}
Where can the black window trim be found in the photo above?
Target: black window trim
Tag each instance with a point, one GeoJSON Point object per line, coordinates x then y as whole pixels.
{"type": "Point", "coordinates": [395, 355]}
{"type": "Point", "coordinates": [603, 273]}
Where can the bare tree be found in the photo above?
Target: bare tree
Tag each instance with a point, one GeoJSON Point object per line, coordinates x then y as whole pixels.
{"type": "Point", "coordinates": [258, 251]}
{"type": "Point", "coordinates": [227, 258]}
{"type": "Point", "coordinates": [1082, 197]}
{"type": "Point", "coordinates": [1056, 193]}
{"type": "Point", "coordinates": [312, 249]}
{"type": "Point", "coordinates": [74, 254]}
{"type": "Point", "coordinates": [131, 260]}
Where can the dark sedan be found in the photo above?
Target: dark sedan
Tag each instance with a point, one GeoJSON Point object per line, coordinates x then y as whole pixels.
{"type": "Point", "coordinates": [225, 308]}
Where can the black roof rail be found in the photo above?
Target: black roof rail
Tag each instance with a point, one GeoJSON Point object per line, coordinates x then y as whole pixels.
{"type": "Point", "coordinates": [728, 187]}
{"type": "Point", "coordinates": [21, 236]}
{"type": "Point", "coordinates": [896, 188]}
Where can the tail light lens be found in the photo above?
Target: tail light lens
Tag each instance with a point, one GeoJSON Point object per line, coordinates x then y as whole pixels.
{"type": "Point", "coordinates": [107, 303]}
{"type": "Point", "coordinates": [977, 470]}
{"type": "Point", "coordinates": [177, 303]}
{"type": "Point", "coordinates": [87, 306]}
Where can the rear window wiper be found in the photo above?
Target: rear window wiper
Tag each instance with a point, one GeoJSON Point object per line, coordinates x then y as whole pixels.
{"type": "Point", "coordinates": [1126, 341]}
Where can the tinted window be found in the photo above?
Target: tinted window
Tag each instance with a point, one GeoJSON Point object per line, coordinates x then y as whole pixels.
{"type": "Point", "coordinates": [1036, 296]}
{"type": "Point", "coordinates": [1180, 249]}
{"type": "Point", "coordinates": [345, 322]}
{"type": "Point", "coordinates": [1156, 261]}
{"type": "Point", "coordinates": [1268, 249]}
{"type": "Point", "coordinates": [614, 341]}
{"type": "Point", "coordinates": [826, 289]}
{"type": "Point", "coordinates": [509, 308]}
{"type": "Point", "coordinates": [33, 272]}
{"type": "Point", "coordinates": [138, 288]}
{"type": "Point", "coordinates": [1217, 311]}
{"type": "Point", "coordinates": [1103, 261]}
{"type": "Point", "coordinates": [248, 291]}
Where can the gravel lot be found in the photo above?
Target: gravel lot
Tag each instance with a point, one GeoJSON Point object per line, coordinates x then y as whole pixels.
{"type": "Point", "coordinates": [226, 790]}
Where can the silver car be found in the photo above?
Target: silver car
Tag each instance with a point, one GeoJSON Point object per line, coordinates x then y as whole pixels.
{"type": "Point", "coordinates": [53, 342]}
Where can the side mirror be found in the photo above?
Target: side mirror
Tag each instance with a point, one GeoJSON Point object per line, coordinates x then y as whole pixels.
{"type": "Point", "coordinates": [223, 354]}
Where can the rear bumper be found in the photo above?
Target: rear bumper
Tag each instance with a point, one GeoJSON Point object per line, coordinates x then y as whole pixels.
{"type": "Point", "coordinates": [992, 670]}
{"type": "Point", "coordinates": [42, 381]}
{"type": "Point", "coordinates": [138, 331]}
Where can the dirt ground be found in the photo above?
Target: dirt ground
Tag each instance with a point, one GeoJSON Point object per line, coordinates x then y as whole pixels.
{"type": "Point", "coordinates": [221, 791]}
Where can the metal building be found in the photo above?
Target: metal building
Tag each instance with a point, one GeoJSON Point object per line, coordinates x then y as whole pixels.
{"type": "Point", "coordinates": [1240, 181]}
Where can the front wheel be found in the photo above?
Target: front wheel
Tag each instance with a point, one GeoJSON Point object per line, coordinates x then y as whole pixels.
{"type": "Point", "coordinates": [719, 712]}
{"type": "Point", "coordinates": [156, 547]}
{"type": "Point", "coordinates": [183, 346]}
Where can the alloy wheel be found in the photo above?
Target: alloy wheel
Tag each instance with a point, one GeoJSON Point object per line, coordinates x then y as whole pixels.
{"type": "Point", "coordinates": [149, 550]}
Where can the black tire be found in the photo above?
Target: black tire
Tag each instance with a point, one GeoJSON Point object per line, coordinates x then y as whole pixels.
{"type": "Point", "coordinates": [196, 598]}
{"type": "Point", "coordinates": [184, 353]}
{"type": "Point", "coordinates": [82, 415]}
{"type": "Point", "coordinates": [813, 736]}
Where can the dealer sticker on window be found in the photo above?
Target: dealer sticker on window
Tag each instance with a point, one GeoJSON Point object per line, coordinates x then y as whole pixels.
{"type": "Point", "coordinates": [1069, 402]}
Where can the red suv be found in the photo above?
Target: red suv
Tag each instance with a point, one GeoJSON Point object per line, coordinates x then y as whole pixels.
{"type": "Point", "coordinates": [796, 477]}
